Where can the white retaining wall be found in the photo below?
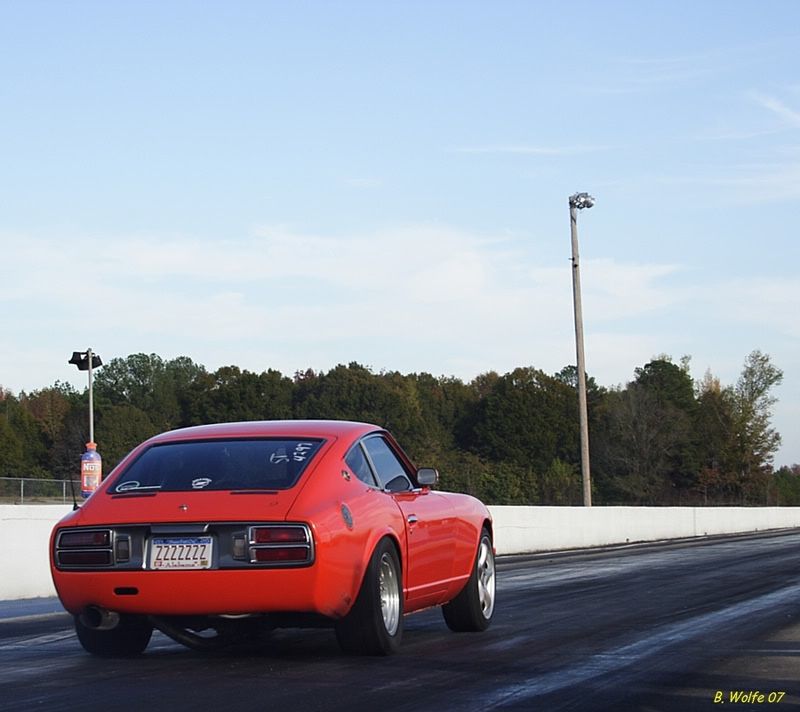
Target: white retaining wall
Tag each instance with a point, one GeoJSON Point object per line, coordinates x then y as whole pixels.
{"type": "Point", "coordinates": [25, 532]}
{"type": "Point", "coordinates": [24, 549]}
{"type": "Point", "coordinates": [519, 530]}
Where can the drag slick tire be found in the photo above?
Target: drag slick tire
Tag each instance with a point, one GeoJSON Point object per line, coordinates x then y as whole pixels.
{"type": "Point", "coordinates": [128, 637]}
{"type": "Point", "coordinates": [374, 625]}
{"type": "Point", "coordinates": [472, 609]}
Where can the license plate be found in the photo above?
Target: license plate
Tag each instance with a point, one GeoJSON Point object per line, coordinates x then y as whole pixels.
{"type": "Point", "coordinates": [181, 552]}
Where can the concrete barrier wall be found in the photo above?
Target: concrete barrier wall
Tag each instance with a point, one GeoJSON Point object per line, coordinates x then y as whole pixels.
{"type": "Point", "coordinates": [24, 554]}
{"type": "Point", "coordinates": [519, 530]}
{"type": "Point", "coordinates": [25, 532]}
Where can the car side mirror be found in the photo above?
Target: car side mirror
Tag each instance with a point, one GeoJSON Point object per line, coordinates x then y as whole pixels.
{"type": "Point", "coordinates": [427, 477]}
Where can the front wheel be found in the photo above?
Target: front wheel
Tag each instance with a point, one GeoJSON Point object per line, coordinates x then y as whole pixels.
{"type": "Point", "coordinates": [129, 637]}
{"type": "Point", "coordinates": [374, 625]}
{"type": "Point", "coordinates": [473, 608]}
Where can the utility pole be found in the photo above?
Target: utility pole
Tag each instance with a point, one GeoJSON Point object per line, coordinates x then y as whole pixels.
{"type": "Point", "coordinates": [579, 201]}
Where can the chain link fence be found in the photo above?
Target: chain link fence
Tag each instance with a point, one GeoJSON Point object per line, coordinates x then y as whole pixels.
{"type": "Point", "coordinates": [29, 490]}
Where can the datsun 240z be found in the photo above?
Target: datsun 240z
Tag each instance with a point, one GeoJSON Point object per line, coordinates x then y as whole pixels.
{"type": "Point", "coordinates": [217, 532]}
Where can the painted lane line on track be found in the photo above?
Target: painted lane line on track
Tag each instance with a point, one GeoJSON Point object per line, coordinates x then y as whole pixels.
{"type": "Point", "coordinates": [618, 659]}
{"type": "Point", "coordinates": [38, 640]}
{"type": "Point", "coordinates": [36, 617]}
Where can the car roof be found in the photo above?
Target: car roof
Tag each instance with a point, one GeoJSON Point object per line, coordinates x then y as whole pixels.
{"type": "Point", "coordinates": [271, 428]}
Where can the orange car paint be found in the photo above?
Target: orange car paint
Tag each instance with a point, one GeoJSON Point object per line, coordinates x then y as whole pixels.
{"type": "Point", "coordinates": [436, 553]}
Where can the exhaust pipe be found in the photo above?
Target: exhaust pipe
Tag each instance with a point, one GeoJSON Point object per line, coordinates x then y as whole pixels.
{"type": "Point", "coordinates": [98, 618]}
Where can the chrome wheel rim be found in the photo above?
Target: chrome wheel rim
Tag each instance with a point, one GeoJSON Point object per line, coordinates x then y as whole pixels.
{"type": "Point", "coordinates": [486, 578]}
{"type": "Point", "coordinates": [389, 593]}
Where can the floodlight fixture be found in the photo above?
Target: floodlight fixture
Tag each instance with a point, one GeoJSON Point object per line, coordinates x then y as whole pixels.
{"type": "Point", "coordinates": [81, 360]}
{"type": "Point", "coordinates": [581, 201]}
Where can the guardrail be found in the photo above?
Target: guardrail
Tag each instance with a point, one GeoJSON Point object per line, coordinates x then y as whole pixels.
{"type": "Point", "coordinates": [31, 490]}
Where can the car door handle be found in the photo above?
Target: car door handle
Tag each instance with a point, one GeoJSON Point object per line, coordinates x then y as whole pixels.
{"type": "Point", "coordinates": [412, 519]}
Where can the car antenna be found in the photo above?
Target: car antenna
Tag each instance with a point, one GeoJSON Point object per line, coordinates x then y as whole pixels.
{"type": "Point", "coordinates": [75, 505]}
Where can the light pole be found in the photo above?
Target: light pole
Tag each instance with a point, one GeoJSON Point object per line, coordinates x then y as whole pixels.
{"type": "Point", "coordinates": [86, 361]}
{"type": "Point", "coordinates": [91, 462]}
{"type": "Point", "coordinates": [577, 202]}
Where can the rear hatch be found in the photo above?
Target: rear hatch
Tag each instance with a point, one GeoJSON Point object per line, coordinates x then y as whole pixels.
{"type": "Point", "coordinates": [178, 507]}
{"type": "Point", "coordinates": [204, 480]}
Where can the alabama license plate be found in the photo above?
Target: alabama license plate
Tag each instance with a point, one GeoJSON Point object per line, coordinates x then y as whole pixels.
{"type": "Point", "coordinates": [180, 552]}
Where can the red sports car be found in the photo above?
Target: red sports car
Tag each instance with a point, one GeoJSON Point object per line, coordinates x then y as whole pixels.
{"type": "Point", "coordinates": [218, 531]}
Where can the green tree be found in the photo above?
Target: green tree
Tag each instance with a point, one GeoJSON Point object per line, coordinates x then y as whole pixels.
{"type": "Point", "coordinates": [631, 448]}
{"type": "Point", "coordinates": [787, 486]}
{"type": "Point", "coordinates": [645, 444]}
{"type": "Point", "coordinates": [147, 382]}
{"type": "Point", "coordinates": [674, 398]}
{"type": "Point", "coordinates": [12, 460]}
{"type": "Point", "coordinates": [230, 394]}
{"type": "Point", "coordinates": [50, 406]}
{"type": "Point", "coordinates": [714, 427]}
{"type": "Point", "coordinates": [23, 450]}
{"type": "Point", "coordinates": [528, 419]}
{"type": "Point", "coordinates": [561, 484]}
{"type": "Point", "coordinates": [353, 392]}
{"type": "Point", "coordinates": [756, 441]}
{"type": "Point", "coordinates": [71, 443]}
{"type": "Point", "coordinates": [510, 439]}
{"type": "Point", "coordinates": [119, 429]}
{"type": "Point", "coordinates": [131, 380]}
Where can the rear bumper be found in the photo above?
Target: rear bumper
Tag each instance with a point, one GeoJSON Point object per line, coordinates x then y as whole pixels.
{"type": "Point", "coordinates": [206, 592]}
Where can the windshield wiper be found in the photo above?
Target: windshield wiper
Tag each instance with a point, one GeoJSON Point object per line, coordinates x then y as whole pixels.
{"type": "Point", "coordinates": [255, 490]}
{"type": "Point", "coordinates": [126, 489]}
{"type": "Point", "coordinates": [134, 493]}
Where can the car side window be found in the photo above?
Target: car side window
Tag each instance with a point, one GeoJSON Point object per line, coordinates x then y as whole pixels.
{"type": "Point", "coordinates": [389, 469]}
{"type": "Point", "coordinates": [357, 462]}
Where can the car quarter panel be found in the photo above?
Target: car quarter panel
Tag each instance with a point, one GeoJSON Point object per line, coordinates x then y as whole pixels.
{"type": "Point", "coordinates": [469, 518]}
{"type": "Point", "coordinates": [349, 520]}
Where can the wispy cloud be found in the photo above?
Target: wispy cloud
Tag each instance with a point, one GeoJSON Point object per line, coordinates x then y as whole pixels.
{"type": "Point", "coordinates": [779, 108]}
{"type": "Point", "coordinates": [736, 135]}
{"type": "Point", "coordinates": [765, 183]}
{"type": "Point", "coordinates": [363, 182]}
{"type": "Point", "coordinates": [772, 181]}
{"type": "Point", "coordinates": [412, 298]}
{"type": "Point", "coordinates": [773, 303]}
{"type": "Point", "coordinates": [282, 299]}
{"type": "Point", "coordinates": [640, 75]}
{"type": "Point", "coordinates": [530, 150]}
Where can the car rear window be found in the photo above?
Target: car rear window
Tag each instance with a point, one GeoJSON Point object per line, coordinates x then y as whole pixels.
{"type": "Point", "coordinates": [272, 464]}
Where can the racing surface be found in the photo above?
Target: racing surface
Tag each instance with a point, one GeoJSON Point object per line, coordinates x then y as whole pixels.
{"type": "Point", "coordinates": [659, 627]}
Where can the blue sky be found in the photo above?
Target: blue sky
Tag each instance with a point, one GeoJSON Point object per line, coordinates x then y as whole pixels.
{"type": "Point", "coordinates": [295, 185]}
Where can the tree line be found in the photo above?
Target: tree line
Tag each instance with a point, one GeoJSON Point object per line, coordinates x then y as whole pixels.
{"type": "Point", "coordinates": [661, 439]}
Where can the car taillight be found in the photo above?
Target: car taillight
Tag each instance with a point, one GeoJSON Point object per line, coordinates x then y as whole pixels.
{"type": "Point", "coordinates": [80, 548]}
{"type": "Point", "coordinates": [278, 535]}
{"type": "Point", "coordinates": [287, 554]}
{"type": "Point", "coordinates": [84, 558]}
{"type": "Point", "coordinates": [288, 544]}
{"type": "Point", "coordinates": [100, 537]}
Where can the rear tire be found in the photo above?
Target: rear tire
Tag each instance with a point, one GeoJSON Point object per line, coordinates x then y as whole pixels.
{"type": "Point", "coordinates": [374, 625]}
{"type": "Point", "coordinates": [472, 609]}
{"type": "Point", "coordinates": [129, 637]}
